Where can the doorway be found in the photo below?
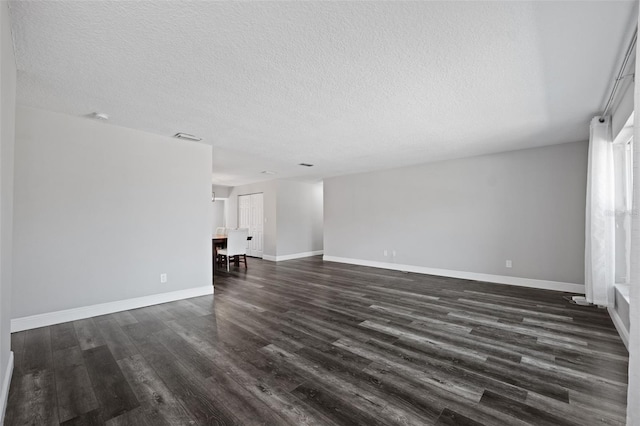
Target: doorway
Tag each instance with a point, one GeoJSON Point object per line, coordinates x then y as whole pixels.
{"type": "Point", "coordinates": [251, 216]}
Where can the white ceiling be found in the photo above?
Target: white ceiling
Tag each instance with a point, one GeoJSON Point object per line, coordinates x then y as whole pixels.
{"type": "Point", "coordinates": [347, 86]}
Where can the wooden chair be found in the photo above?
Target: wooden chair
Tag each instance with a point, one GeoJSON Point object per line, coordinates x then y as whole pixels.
{"type": "Point", "coordinates": [236, 247]}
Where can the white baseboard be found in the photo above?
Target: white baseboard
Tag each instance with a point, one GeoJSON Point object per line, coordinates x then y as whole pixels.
{"type": "Point", "coordinates": [622, 330]}
{"type": "Point", "coordinates": [476, 276]}
{"type": "Point", "coordinates": [292, 256]}
{"type": "Point", "coordinates": [42, 320]}
{"type": "Point", "coordinates": [4, 392]}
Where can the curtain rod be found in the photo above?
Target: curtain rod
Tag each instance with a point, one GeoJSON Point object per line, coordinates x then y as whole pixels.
{"type": "Point", "coordinates": [627, 56]}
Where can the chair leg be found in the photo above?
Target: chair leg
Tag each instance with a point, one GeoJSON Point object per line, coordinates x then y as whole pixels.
{"type": "Point", "coordinates": [227, 263]}
{"type": "Point", "coordinates": [245, 261]}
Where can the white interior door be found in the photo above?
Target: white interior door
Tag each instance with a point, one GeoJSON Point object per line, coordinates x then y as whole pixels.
{"type": "Point", "coordinates": [251, 216]}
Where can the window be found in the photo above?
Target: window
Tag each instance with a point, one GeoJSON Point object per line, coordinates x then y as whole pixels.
{"type": "Point", "coordinates": [623, 184]}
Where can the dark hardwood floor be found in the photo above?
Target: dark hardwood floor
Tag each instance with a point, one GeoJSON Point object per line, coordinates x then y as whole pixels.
{"type": "Point", "coordinates": [308, 342]}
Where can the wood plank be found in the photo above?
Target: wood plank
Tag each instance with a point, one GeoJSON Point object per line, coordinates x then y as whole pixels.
{"type": "Point", "coordinates": [88, 334]}
{"type": "Point", "coordinates": [186, 387]}
{"type": "Point", "coordinates": [116, 339]}
{"type": "Point", "coordinates": [92, 418]}
{"type": "Point", "coordinates": [32, 400]}
{"type": "Point", "coordinates": [451, 418]}
{"type": "Point", "coordinates": [63, 336]}
{"type": "Point", "coordinates": [109, 385]}
{"type": "Point", "coordinates": [153, 394]}
{"type": "Point", "coordinates": [74, 390]}
{"type": "Point", "coordinates": [37, 355]}
{"type": "Point", "coordinates": [338, 410]}
{"type": "Point", "coordinates": [523, 411]}
{"type": "Point", "coordinates": [124, 318]}
{"type": "Point", "coordinates": [140, 417]}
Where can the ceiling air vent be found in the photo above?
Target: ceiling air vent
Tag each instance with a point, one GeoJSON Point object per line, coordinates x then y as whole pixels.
{"type": "Point", "coordinates": [187, 136]}
{"type": "Point", "coordinates": [101, 116]}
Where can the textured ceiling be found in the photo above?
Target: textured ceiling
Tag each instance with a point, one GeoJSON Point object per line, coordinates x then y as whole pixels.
{"type": "Point", "coordinates": [347, 86]}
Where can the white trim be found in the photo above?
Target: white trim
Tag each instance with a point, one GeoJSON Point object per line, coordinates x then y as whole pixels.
{"type": "Point", "coordinates": [50, 318]}
{"type": "Point", "coordinates": [292, 256]}
{"type": "Point", "coordinates": [476, 276]}
{"type": "Point", "coordinates": [623, 290]}
{"type": "Point", "coordinates": [4, 393]}
{"type": "Point", "coordinates": [622, 330]}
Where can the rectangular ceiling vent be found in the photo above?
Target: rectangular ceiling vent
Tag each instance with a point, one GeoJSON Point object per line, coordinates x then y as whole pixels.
{"type": "Point", "coordinates": [187, 136]}
{"type": "Point", "coordinates": [306, 164]}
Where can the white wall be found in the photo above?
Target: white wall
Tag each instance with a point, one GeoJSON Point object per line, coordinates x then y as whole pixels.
{"type": "Point", "coordinates": [299, 213]}
{"type": "Point", "coordinates": [467, 215]}
{"type": "Point", "coordinates": [7, 137]}
{"type": "Point", "coordinates": [101, 211]}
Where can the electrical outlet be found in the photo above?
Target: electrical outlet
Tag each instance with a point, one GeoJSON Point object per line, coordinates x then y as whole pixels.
{"type": "Point", "coordinates": [393, 253]}
{"type": "Point", "coordinates": [385, 252]}
{"type": "Point", "coordinates": [163, 278]}
{"type": "Point", "coordinates": [508, 264]}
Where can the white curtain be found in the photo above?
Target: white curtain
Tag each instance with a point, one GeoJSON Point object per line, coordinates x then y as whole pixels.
{"type": "Point", "coordinates": [600, 216]}
{"type": "Point", "coordinates": [633, 397]}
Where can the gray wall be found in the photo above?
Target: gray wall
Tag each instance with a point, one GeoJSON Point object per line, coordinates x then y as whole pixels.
{"type": "Point", "coordinates": [219, 207]}
{"type": "Point", "coordinates": [299, 212]}
{"type": "Point", "coordinates": [468, 215]}
{"type": "Point", "coordinates": [7, 137]}
{"type": "Point", "coordinates": [221, 190]}
{"type": "Point", "coordinates": [218, 211]}
{"type": "Point", "coordinates": [101, 211]}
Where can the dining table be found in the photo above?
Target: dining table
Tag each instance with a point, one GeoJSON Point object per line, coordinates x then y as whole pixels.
{"type": "Point", "coordinates": [219, 239]}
